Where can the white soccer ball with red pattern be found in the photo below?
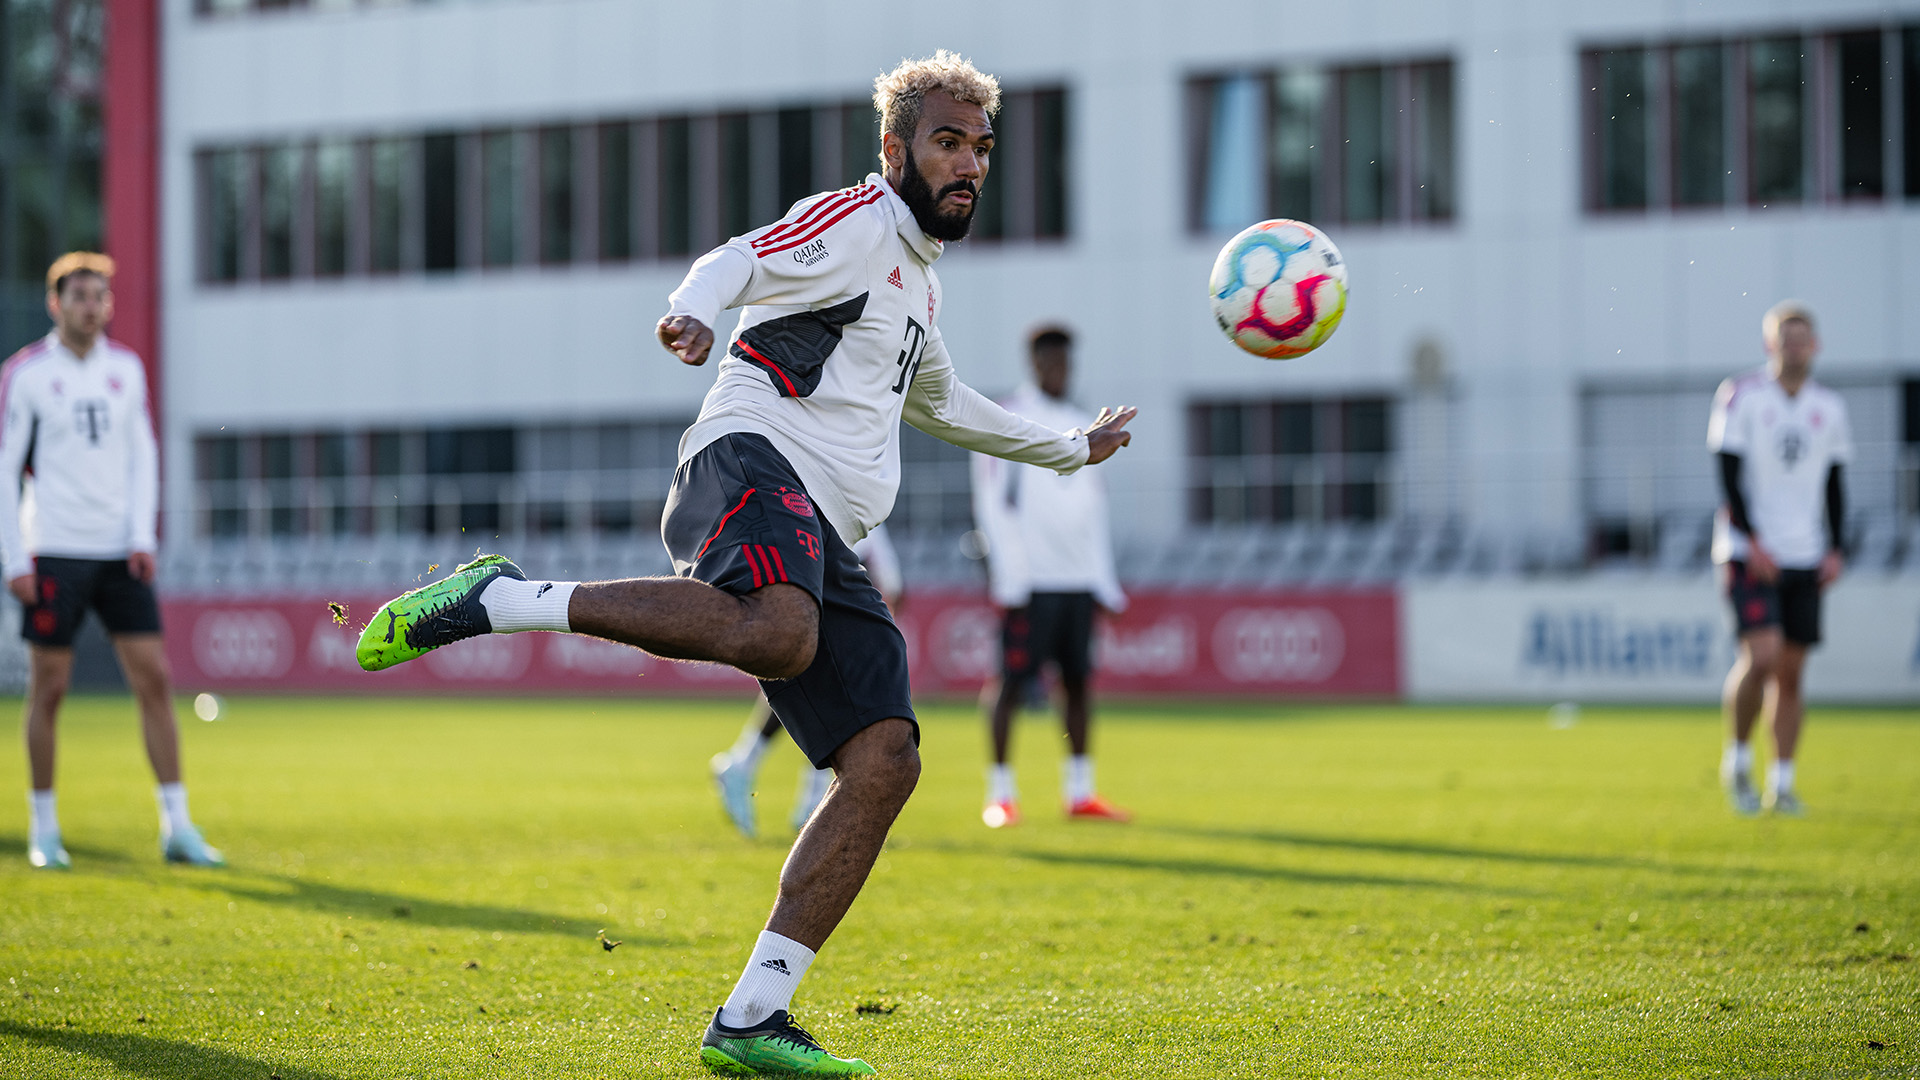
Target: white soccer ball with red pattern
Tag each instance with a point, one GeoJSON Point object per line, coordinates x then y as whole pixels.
{"type": "Point", "coordinates": [1279, 289]}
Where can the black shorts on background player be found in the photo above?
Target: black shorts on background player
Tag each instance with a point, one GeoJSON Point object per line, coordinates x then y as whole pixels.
{"type": "Point", "coordinates": [1790, 602]}
{"type": "Point", "coordinates": [69, 587]}
{"type": "Point", "coordinates": [739, 519]}
{"type": "Point", "coordinates": [1053, 626]}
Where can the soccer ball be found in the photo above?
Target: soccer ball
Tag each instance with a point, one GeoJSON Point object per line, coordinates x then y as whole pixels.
{"type": "Point", "coordinates": [1279, 288]}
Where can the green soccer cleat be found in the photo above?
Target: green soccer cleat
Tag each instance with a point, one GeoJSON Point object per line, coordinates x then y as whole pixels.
{"type": "Point", "coordinates": [775, 1045]}
{"type": "Point", "coordinates": [449, 610]}
{"type": "Point", "coordinates": [187, 847]}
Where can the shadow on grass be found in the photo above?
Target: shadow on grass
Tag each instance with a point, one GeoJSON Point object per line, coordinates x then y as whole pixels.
{"type": "Point", "coordinates": [395, 908]}
{"type": "Point", "coordinates": [159, 1059]}
{"type": "Point", "coordinates": [1225, 868]}
{"type": "Point", "coordinates": [16, 844]}
{"type": "Point", "coordinates": [1446, 851]}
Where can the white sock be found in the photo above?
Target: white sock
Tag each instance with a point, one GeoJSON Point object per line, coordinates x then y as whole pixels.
{"type": "Point", "coordinates": [1737, 758]}
{"type": "Point", "coordinates": [1000, 784]}
{"type": "Point", "coordinates": [173, 807]}
{"type": "Point", "coordinates": [1780, 776]}
{"type": "Point", "coordinates": [767, 985]}
{"type": "Point", "coordinates": [44, 822]}
{"type": "Point", "coordinates": [514, 605]}
{"type": "Point", "coordinates": [1079, 778]}
{"type": "Point", "coordinates": [751, 746]}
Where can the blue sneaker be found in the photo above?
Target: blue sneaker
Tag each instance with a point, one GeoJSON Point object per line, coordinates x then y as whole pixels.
{"type": "Point", "coordinates": [187, 847]}
{"type": "Point", "coordinates": [48, 853]}
{"type": "Point", "coordinates": [734, 781]}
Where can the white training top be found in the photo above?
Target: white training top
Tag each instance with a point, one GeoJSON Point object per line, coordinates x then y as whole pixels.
{"type": "Point", "coordinates": [82, 424]}
{"type": "Point", "coordinates": [838, 341]}
{"type": "Point", "coordinates": [1045, 532]}
{"type": "Point", "coordinates": [1786, 445]}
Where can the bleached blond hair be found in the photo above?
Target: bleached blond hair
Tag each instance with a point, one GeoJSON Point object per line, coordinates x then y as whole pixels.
{"type": "Point", "coordinates": [1782, 312]}
{"type": "Point", "coordinates": [897, 94]}
{"type": "Point", "coordinates": [77, 262]}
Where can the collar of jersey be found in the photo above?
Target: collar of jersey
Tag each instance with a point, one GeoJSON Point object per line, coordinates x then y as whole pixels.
{"type": "Point", "coordinates": [59, 347]}
{"type": "Point", "coordinates": [923, 245]}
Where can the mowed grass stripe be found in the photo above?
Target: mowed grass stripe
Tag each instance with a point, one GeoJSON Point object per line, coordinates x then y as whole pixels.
{"type": "Point", "coordinates": [418, 887]}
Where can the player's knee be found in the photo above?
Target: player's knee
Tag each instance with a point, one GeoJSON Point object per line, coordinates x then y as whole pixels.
{"type": "Point", "coordinates": [785, 632]}
{"type": "Point", "coordinates": [883, 760]}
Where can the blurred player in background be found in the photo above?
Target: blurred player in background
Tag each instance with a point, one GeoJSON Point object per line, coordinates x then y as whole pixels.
{"type": "Point", "coordinates": [794, 455]}
{"type": "Point", "coordinates": [737, 770]}
{"type": "Point", "coordinates": [1783, 441]}
{"type": "Point", "coordinates": [74, 415]}
{"type": "Point", "coordinates": [1050, 568]}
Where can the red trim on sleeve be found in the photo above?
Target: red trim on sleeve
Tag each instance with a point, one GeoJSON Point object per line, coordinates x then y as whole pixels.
{"type": "Point", "coordinates": [779, 564]}
{"type": "Point", "coordinates": [723, 523]}
{"type": "Point", "coordinates": [771, 366]}
{"type": "Point", "coordinates": [810, 215]}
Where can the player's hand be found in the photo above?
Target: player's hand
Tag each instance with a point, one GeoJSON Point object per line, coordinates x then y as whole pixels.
{"type": "Point", "coordinates": [25, 588]}
{"type": "Point", "coordinates": [1760, 564]}
{"type": "Point", "coordinates": [1831, 565]}
{"type": "Point", "coordinates": [140, 565]}
{"type": "Point", "coordinates": [686, 337]}
{"type": "Point", "coordinates": [1109, 433]}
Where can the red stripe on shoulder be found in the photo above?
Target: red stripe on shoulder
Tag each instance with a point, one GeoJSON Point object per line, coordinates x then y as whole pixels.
{"type": "Point", "coordinates": [806, 218]}
{"type": "Point", "coordinates": [820, 227]}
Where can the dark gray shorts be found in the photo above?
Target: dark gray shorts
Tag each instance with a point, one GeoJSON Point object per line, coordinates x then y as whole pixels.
{"type": "Point", "coordinates": [739, 519]}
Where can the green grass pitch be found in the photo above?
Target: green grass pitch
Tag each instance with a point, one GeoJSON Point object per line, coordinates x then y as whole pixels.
{"type": "Point", "coordinates": [417, 887]}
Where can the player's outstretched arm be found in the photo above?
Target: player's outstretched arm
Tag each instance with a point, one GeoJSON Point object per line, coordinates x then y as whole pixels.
{"type": "Point", "coordinates": [685, 337]}
{"type": "Point", "coordinates": [1109, 433]}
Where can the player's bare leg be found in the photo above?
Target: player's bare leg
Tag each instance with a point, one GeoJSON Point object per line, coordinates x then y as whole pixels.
{"type": "Point", "coordinates": [1003, 799]}
{"type": "Point", "coordinates": [1787, 713]}
{"type": "Point", "coordinates": [769, 633]}
{"type": "Point", "coordinates": [144, 660]}
{"type": "Point", "coordinates": [1741, 700]}
{"type": "Point", "coordinates": [49, 671]}
{"type": "Point", "coordinates": [877, 770]}
{"type": "Point", "coordinates": [1083, 799]}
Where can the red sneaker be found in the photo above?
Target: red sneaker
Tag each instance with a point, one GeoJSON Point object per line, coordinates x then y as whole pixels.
{"type": "Point", "coordinates": [1095, 808]}
{"type": "Point", "coordinates": [1001, 814]}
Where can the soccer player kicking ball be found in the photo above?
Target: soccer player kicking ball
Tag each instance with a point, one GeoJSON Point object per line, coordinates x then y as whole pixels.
{"type": "Point", "coordinates": [795, 454]}
{"type": "Point", "coordinates": [76, 404]}
{"type": "Point", "coordinates": [1782, 441]}
{"type": "Point", "coordinates": [736, 770]}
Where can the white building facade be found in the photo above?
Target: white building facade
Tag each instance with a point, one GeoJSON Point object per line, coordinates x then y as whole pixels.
{"type": "Point", "coordinates": [412, 254]}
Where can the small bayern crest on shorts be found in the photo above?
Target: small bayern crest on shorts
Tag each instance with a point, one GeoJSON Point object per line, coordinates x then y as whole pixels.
{"type": "Point", "coordinates": [797, 502]}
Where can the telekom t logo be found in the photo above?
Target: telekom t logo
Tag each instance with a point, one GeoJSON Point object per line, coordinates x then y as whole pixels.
{"type": "Point", "coordinates": [810, 542]}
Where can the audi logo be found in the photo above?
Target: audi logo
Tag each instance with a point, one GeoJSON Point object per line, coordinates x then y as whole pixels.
{"type": "Point", "coordinates": [1278, 644]}
{"type": "Point", "coordinates": [243, 644]}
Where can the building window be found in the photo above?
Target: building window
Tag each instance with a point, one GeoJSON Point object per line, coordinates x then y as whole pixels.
{"type": "Point", "coordinates": [1862, 74]}
{"type": "Point", "coordinates": [440, 201]}
{"type": "Point", "coordinates": [1699, 125]}
{"type": "Point", "coordinates": [1768, 121]}
{"type": "Point", "coordinates": [1358, 143]}
{"type": "Point", "coordinates": [1298, 460]}
{"type": "Point", "coordinates": [562, 194]}
{"type": "Point", "coordinates": [1775, 118]}
{"type": "Point", "coordinates": [385, 176]}
{"type": "Point", "coordinates": [332, 193]}
{"type": "Point", "coordinates": [616, 191]}
{"type": "Point", "coordinates": [499, 196]}
{"type": "Point", "coordinates": [556, 195]}
{"type": "Point", "coordinates": [223, 180]}
{"type": "Point", "coordinates": [1624, 124]}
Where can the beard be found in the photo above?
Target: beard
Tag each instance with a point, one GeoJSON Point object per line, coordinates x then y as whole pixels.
{"type": "Point", "coordinates": [924, 202]}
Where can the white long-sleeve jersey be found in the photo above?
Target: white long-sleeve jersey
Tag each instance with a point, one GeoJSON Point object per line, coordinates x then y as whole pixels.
{"type": "Point", "coordinates": [1786, 443]}
{"type": "Point", "coordinates": [83, 425]}
{"type": "Point", "coordinates": [1045, 532]}
{"type": "Point", "coordinates": [838, 341]}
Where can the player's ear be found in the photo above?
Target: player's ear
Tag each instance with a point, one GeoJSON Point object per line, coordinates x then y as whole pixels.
{"type": "Point", "coordinates": [894, 149]}
{"type": "Point", "coordinates": [53, 306]}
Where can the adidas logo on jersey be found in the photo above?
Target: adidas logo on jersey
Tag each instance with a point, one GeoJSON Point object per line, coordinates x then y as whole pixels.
{"type": "Point", "coordinates": [776, 964]}
{"type": "Point", "coordinates": [893, 279]}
